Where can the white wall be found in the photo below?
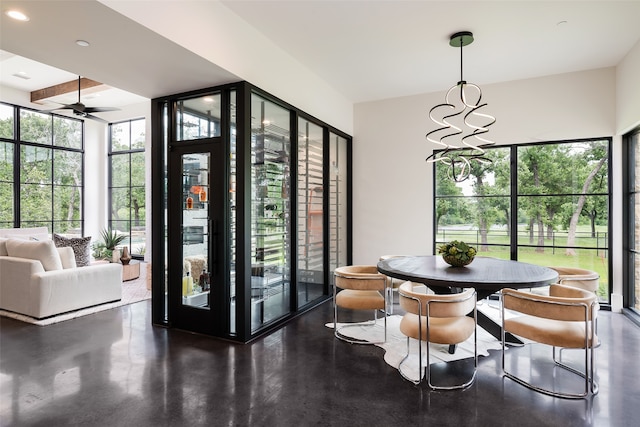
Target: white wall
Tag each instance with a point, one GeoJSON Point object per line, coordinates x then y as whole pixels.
{"type": "Point", "coordinates": [628, 91]}
{"type": "Point", "coordinates": [229, 42]}
{"type": "Point", "coordinates": [627, 118]}
{"type": "Point", "coordinates": [96, 166]}
{"type": "Point", "coordinates": [392, 183]}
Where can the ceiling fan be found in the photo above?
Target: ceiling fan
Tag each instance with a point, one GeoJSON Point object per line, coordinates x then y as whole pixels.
{"type": "Point", "coordinates": [79, 109]}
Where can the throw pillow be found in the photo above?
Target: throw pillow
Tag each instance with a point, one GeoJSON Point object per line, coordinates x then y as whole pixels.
{"type": "Point", "coordinates": [80, 246]}
{"type": "Point", "coordinates": [67, 257]}
{"type": "Point", "coordinates": [33, 237]}
{"type": "Point", "coordinates": [45, 252]}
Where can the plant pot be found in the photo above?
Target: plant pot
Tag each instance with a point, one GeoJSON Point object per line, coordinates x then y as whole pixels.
{"type": "Point", "coordinates": [456, 262]}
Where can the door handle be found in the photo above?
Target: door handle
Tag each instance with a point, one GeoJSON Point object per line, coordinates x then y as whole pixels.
{"type": "Point", "coordinates": [213, 244]}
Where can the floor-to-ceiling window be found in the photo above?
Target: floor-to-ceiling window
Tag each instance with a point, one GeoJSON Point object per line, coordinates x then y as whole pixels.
{"type": "Point", "coordinates": [41, 170]}
{"type": "Point", "coordinates": [631, 245]}
{"type": "Point", "coordinates": [547, 204]}
{"type": "Point", "coordinates": [127, 183]}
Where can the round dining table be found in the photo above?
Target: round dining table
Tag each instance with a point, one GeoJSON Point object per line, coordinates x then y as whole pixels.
{"type": "Point", "coordinates": [487, 275]}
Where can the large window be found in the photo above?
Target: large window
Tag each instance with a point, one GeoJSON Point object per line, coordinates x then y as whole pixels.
{"type": "Point", "coordinates": [41, 175]}
{"type": "Point", "coordinates": [632, 223]}
{"type": "Point", "coordinates": [127, 183]}
{"type": "Point", "coordinates": [550, 206]}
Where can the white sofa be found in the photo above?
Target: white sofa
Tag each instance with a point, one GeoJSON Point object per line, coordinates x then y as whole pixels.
{"type": "Point", "coordinates": [39, 280]}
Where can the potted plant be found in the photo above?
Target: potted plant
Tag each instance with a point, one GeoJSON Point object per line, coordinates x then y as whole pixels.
{"type": "Point", "coordinates": [457, 253]}
{"type": "Point", "coordinates": [105, 248]}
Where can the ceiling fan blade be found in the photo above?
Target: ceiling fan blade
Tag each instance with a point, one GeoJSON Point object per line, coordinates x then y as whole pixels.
{"type": "Point", "coordinates": [79, 109]}
{"type": "Point", "coordinates": [92, 117]}
{"type": "Point", "coordinates": [100, 109]}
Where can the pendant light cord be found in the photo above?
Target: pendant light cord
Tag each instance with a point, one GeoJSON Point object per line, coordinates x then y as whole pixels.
{"type": "Point", "coordinates": [461, 76]}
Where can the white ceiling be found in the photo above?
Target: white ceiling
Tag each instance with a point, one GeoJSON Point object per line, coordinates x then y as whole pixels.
{"type": "Point", "coordinates": [366, 49]}
{"type": "Point", "coordinates": [41, 76]}
{"type": "Point", "coordinates": [381, 49]}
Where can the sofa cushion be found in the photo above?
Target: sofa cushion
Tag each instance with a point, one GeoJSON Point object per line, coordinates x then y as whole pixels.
{"type": "Point", "coordinates": [3, 247]}
{"type": "Point", "coordinates": [36, 237]}
{"type": "Point", "coordinates": [80, 246]}
{"type": "Point", "coordinates": [25, 233]}
{"type": "Point", "coordinates": [67, 257]}
{"type": "Point", "coordinates": [44, 251]}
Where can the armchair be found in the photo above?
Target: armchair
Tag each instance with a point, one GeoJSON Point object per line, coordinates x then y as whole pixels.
{"type": "Point", "coordinates": [565, 318]}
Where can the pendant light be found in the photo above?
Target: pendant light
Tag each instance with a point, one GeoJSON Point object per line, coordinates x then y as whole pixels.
{"type": "Point", "coordinates": [462, 126]}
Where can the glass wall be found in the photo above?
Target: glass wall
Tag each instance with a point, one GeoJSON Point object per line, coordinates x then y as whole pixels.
{"type": "Point", "coordinates": [198, 118]}
{"type": "Point", "coordinates": [127, 183]}
{"type": "Point", "coordinates": [270, 211]}
{"type": "Point", "coordinates": [339, 210]}
{"type": "Point", "coordinates": [48, 190]}
{"type": "Point", "coordinates": [232, 212]}
{"type": "Point", "coordinates": [270, 225]}
{"type": "Point", "coordinates": [632, 223]}
{"type": "Point", "coordinates": [310, 204]}
{"type": "Point", "coordinates": [551, 208]}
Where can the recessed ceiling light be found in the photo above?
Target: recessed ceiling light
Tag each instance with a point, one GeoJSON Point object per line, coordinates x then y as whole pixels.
{"type": "Point", "coordinates": [208, 99]}
{"type": "Point", "coordinates": [82, 43]}
{"type": "Point", "coordinates": [17, 15]}
{"type": "Point", "coordinates": [22, 75]}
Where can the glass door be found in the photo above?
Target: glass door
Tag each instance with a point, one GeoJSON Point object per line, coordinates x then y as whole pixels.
{"type": "Point", "coordinates": [197, 285]}
{"type": "Point", "coordinates": [196, 230]}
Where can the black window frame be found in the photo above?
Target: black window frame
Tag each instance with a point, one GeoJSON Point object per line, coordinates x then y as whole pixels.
{"type": "Point", "coordinates": [514, 196]}
{"type": "Point", "coordinates": [18, 143]}
{"type": "Point", "coordinates": [110, 187]}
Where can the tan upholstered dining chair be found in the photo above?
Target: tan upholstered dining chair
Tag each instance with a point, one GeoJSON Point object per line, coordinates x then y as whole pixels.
{"type": "Point", "coordinates": [438, 319]}
{"type": "Point", "coordinates": [363, 288]}
{"type": "Point", "coordinates": [566, 318]}
{"type": "Point", "coordinates": [578, 278]}
{"type": "Point", "coordinates": [392, 284]}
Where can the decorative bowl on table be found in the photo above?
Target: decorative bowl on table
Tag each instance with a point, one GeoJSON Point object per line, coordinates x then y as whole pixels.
{"type": "Point", "coordinates": [457, 253]}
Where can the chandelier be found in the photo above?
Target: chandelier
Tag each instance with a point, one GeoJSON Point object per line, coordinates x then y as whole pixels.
{"type": "Point", "coordinates": [462, 126]}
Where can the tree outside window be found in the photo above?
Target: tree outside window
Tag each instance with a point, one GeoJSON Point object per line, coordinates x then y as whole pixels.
{"type": "Point", "coordinates": [560, 210]}
{"type": "Point", "coordinates": [49, 162]}
{"type": "Point", "coordinates": [127, 182]}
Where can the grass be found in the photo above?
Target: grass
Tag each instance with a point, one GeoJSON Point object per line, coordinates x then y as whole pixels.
{"type": "Point", "coordinates": [590, 259]}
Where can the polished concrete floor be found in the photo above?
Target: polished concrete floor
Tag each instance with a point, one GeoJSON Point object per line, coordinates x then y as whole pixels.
{"type": "Point", "coordinates": [115, 369]}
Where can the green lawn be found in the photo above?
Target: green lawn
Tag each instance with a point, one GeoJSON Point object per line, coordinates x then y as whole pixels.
{"type": "Point", "coordinates": [589, 259]}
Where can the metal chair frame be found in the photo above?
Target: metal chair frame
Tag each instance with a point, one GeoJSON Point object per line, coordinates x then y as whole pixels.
{"type": "Point", "coordinates": [589, 353]}
{"type": "Point", "coordinates": [337, 331]}
{"type": "Point", "coordinates": [426, 370]}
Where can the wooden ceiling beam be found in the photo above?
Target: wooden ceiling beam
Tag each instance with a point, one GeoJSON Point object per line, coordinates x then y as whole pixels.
{"type": "Point", "coordinates": [63, 88]}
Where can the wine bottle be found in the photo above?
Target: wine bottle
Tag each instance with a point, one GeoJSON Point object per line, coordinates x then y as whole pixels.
{"type": "Point", "coordinates": [187, 285]}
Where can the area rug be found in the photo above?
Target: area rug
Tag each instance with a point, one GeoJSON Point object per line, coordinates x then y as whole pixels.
{"type": "Point", "coordinates": [132, 291]}
{"type": "Point", "coordinates": [396, 345]}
